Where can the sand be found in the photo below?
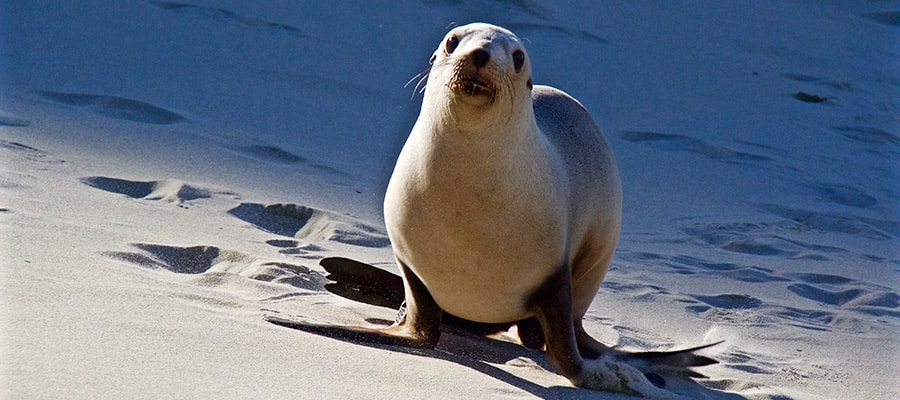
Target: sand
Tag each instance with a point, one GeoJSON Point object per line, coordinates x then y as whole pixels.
{"type": "Point", "coordinates": [171, 172]}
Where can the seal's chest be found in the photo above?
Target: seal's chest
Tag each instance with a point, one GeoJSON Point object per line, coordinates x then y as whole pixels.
{"type": "Point", "coordinates": [494, 198]}
{"type": "Point", "coordinates": [482, 230]}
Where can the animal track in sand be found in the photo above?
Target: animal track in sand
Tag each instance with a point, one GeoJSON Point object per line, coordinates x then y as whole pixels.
{"type": "Point", "coordinates": [731, 301]}
{"type": "Point", "coordinates": [838, 302]}
{"type": "Point", "coordinates": [834, 222]}
{"type": "Point", "coordinates": [196, 260]}
{"type": "Point", "coordinates": [850, 294]}
{"type": "Point", "coordinates": [224, 15]}
{"type": "Point", "coordinates": [868, 135]}
{"type": "Point", "coordinates": [168, 190]}
{"type": "Point", "coordinates": [817, 81]}
{"type": "Point", "coordinates": [890, 18]}
{"type": "Point", "coordinates": [770, 239]}
{"type": "Point", "coordinates": [15, 153]}
{"type": "Point", "coordinates": [276, 155]}
{"type": "Point", "coordinates": [820, 278]}
{"type": "Point", "coordinates": [505, 7]}
{"type": "Point", "coordinates": [824, 296]}
{"type": "Point", "coordinates": [734, 271]}
{"type": "Point", "coordinates": [688, 265]}
{"type": "Point", "coordinates": [833, 294]}
{"type": "Point", "coordinates": [831, 315]}
{"type": "Point", "coordinates": [116, 107]}
{"type": "Point", "coordinates": [673, 142]}
{"type": "Point", "coordinates": [29, 153]}
{"type": "Point", "coordinates": [11, 121]}
{"type": "Point", "coordinates": [282, 243]}
{"type": "Point", "coordinates": [271, 154]}
{"type": "Point", "coordinates": [301, 222]}
{"type": "Point", "coordinates": [522, 27]}
{"type": "Point", "coordinates": [294, 248]}
{"type": "Point", "coordinates": [845, 195]}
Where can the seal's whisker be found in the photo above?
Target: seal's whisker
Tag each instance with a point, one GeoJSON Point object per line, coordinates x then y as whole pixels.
{"type": "Point", "coordinates": [422, 83]}
{"type": "Point", "coordinates": [417, 76]}
{"type": "Point", "coordinates": [420, 86]}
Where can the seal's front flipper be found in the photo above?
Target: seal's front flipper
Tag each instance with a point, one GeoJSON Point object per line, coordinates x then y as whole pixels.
{"type": "Point", "coordinates": [362, 282]}
{"type": "Point", "coordinates": [419, 327]}
{"type": "Point", "coordinates": [397, 335]}
{"type": "Point", "coordinates": [371, 285]}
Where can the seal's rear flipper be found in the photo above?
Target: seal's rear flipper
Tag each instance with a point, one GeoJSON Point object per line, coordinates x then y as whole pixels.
{"type": "Point", "coordinates": [362, 282]}
{"type": "Point", "coordinates": [681, 362]}
{"type": "Point", "coordinates": [684, 358]}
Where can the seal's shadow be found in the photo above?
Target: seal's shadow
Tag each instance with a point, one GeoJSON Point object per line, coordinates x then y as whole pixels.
{"type": "Point", "coordinates": [482, 354]}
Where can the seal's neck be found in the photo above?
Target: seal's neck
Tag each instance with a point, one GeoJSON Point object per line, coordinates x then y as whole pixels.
{"type": "Point", "coordinates": [505, 121]}
{"type": "Point", "coordinates": [475, 144]}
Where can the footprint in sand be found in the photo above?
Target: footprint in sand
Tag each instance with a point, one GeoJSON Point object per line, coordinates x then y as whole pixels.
{"type": "Point", "coordinates": [692, 265]}
{"type": "Point", "coordinates": [836, 295]}
{"type": "Point", "coordinates": [731, 301]}
{"type": "Point", "coordinates": [759, 239]}
{"type": "Point", "coordinates": [29, 153]}
{"type": "Point", "coordinates": [760, 363]}
{"type": "Point", "coordinates": [168, 190]}
{"type": "Point", "coordinates": [301, 222]}
{"type": "Point", "coordinates": [11, 121]}
{"type": "Point", "coordinates": [276, 155]}
{"type": "Point", "coordinates": [117, 107]}
{"type": "Point", "coordinates": [17, 153]}
{"type": "Point", "coordinates": [270, 154]}
{"type": "Point", "coordinates": [837, 298]}
{"type": "Point", "coordinates": [224, 15]}
{"type": "Point", "coordinates": [844, 195]}
{"type": "Point", "coordinates": [522, 27]}
{"type": "Point", "coordinates": [890, 18]}
{"type": "Point", "coordinates": [294, 248]}
{"type": "Point", "coordinates": [742, 309]}
{"type": "Point", "coordinates": [836, 222]}
{"type": "Point", "coordinates": [673, 142]}
{"type": "Point", "coordinates": [868, 135]}
{"type": "Point", "coordinates": [817, 81]}
{"type": "Point", "coordinates": [846, 293]}
{"type": "Point", "coordinates": [197, 260]}
{"type": "Point", "coordinates": [839, 303]}
{"type": "Point", "coordinates": [689, 265]}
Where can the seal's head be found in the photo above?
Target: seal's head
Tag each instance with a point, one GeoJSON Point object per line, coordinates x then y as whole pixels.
{"type": "Point", "coordinates": [480, 65]}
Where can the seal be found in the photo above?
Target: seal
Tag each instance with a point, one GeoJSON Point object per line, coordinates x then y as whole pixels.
{"type": "Point", "coordinates": [504, 208]}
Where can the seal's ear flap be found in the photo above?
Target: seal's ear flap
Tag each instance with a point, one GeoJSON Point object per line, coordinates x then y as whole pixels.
{"type": "Point", "coordinates": [529, 84]}
{"type": "Point", "coordinates": [433, 57]}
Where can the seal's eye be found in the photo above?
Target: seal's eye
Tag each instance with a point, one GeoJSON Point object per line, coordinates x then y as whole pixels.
{"type": "Point", "coordinates": [518, 60]}
{"type": "Point", "coordinates": [452, 42]}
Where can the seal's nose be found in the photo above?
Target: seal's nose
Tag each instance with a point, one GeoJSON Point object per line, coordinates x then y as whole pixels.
{"type": "Point", "coordinates": [480, 57]}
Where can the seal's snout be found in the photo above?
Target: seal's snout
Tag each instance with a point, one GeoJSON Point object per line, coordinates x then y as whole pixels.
{"type": "Point", "coordinates": [474, 78]}
{"type": "Point", "coordinates": [480, 58]}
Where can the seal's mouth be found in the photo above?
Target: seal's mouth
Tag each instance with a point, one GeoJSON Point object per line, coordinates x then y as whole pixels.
{"type": "Point", "coordinates": [475, 87]}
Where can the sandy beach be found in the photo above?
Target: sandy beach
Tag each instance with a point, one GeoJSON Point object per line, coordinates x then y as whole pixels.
{"type": "Point", "coordinates": [171, 172]}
